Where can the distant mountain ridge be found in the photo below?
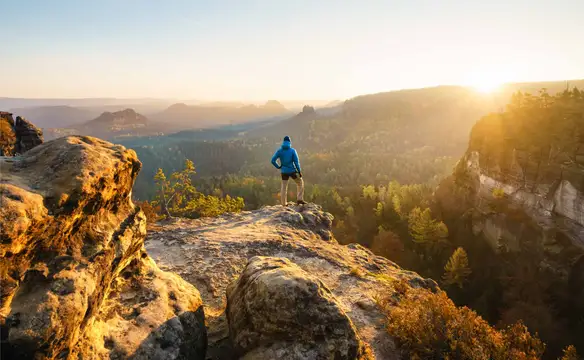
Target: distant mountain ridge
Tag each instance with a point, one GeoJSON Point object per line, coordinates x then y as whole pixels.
{"type": "Point", "coordinates": [182, 116]}
{"type": "Point", "coordinates": [118, 118]}
{"type": "Point", "coordinates": [447, 110]}
{"type": "Point", "coordinates": [9, 102]}
{"type": "Point", "coordinates": [110, 124]}
{"type": "Point", "coordinates": [57, 116]}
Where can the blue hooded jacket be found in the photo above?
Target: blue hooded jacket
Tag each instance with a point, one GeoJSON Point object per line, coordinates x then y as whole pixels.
{"type": "Point", "coordinates": [289, 163]}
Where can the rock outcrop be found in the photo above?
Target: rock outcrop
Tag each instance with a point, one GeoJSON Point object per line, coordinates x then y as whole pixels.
{"type": "Point", "coordinates": [7, 135]}
{"type": "Point", "coordinates": [509, 195]}
{"type": "Point", "coordinates": [76, 281]}
{"type": "Point", "coordinates": [6, 116]}
{"type": "Point", "coordinates": [27, 135]}
{"type": "Point", "coordinates": [111, 124]}
{"type": "Point", "coordinates": [127, 117]}
{"type": "Point", "coordinates": [308, 110]}
{"type": "Point", "coordinates": [276, 310]}
{"type": "Point", "coordinates": [313, 276]}
{"type": "Point", "coordinates": [17, 136]}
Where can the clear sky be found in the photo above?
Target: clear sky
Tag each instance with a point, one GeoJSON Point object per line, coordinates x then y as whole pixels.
{"type": "Point", "coordinates": [281, 49]}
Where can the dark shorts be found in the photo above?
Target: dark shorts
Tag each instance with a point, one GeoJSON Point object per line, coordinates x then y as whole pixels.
{"type": "Point", "coordinates": [288, 176]}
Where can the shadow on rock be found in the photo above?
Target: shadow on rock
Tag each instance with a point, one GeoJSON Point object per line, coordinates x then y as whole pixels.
{"type": "Point", "coordinates": [183, 337]}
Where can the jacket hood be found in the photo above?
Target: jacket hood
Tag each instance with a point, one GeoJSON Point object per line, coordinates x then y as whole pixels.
{"type": "Point", "coordinates": [286, 145]}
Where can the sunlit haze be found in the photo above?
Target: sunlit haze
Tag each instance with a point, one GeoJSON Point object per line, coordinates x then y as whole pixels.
{"type": "Point", "coordinates": [254, 50]}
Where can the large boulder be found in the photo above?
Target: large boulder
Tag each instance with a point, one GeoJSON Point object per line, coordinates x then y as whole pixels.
{"type": "Point", "coordinates": [71, 247]}
{"type": "Point", "coordinates": [276, 310]}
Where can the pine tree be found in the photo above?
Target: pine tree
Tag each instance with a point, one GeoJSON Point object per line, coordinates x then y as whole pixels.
{"type": "Point", "coordinates": [163, 186]}
{"type": "Point", "coordinates": [179, 197]}
{"type": "Point", "coordinates": [427, 231]}
{"type": "Point", "coordinates": [182, 186]}
{"type": "Point", "coordinates": [457, 270]}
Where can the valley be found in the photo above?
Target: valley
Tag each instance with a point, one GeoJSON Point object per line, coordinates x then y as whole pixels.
{"type": "Point", "coordinates": [382, 165]}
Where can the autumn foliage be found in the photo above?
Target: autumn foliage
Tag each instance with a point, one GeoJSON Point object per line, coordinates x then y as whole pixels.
{"type": "Point", "coordinates": [428, 325]}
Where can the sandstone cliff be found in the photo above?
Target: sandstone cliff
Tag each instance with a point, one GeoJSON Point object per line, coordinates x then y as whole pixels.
{"type": "Point", "coordinates": [520, 187]}
{"type": "Point", "coordinates": [27, 135]}
{"type": "Point", "coordinates": [76, 281]}
{"type": "Point", "coordinates": [17, 136]}
{"type": "Point", "coordinates": [7, 135]}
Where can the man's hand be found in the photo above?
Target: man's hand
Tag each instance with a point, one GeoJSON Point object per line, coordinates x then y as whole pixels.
{"type": "Point", "coordinates": [300, 175]}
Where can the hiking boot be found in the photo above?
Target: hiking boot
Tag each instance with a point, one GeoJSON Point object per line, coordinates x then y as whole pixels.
{"type": "Point", "coordinates": [301, 202]}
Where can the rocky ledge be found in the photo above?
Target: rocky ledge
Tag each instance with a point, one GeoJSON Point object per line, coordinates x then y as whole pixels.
{"type": "Point", "coordinates": [275, 284]}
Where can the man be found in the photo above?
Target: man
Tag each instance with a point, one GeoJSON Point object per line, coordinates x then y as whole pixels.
{"type": "Point", "coordinates": [290, 168]}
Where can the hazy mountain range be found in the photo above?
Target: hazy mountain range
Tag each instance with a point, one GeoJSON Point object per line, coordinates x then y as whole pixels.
{"type": "Point", "coordinates": [69, 116]}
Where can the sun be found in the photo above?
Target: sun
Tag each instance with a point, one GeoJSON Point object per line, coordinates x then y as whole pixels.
{"type": "Point", "coordinates": [487, 87]}
{"type": "Point", "coordinates": [486, 82]}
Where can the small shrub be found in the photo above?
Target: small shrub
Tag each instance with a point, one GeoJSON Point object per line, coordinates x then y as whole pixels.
{"type": "Point", "coordinates": [148, 210]}
{"type": "Point", "coordinates": [428, 325]}
{"type": "Point", "coordinates": [355, 271]}
{"type": "Point", "coordinates": [401, 286]}
{"type": "Point", "coordinates": [210, 206]}
{"type": "Point", "coordinates": [570, 353]}
{"type": "Point", "coordinates": [498, 193]}
{"type": "Point", "coordinates": [498, 203]}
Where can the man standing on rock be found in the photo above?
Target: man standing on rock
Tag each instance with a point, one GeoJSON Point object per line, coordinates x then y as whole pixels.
{"type": "Point", "coordinates": [290, 168]}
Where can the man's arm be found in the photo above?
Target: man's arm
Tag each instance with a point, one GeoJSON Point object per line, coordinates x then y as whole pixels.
{"type": "Point", "coordinates": [297, 162]}
{"type": "Point", "coordinates": [274, 158]}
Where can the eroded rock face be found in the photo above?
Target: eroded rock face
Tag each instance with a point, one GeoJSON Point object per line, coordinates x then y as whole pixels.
{"type": "Point", "coordinates": [277, 310]}
{"type": "Point", "coordinates": [17, 136]}
{"type": "Point", "coordinates": [7, 135]}
{"type": "Point", "coordinates": [148, 314]}
{"type": "Point", "coordinates": [71, 246]}
{"type": "Point", "coordinates": [27, 135]}
{"type": "Point", "coordinates": [511, 194]}
{"type": "Point", "coordinates": [341, 281]}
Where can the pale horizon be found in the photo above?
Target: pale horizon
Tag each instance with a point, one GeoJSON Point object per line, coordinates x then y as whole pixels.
{"type": "Point", "coordinates": [253, 51]}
